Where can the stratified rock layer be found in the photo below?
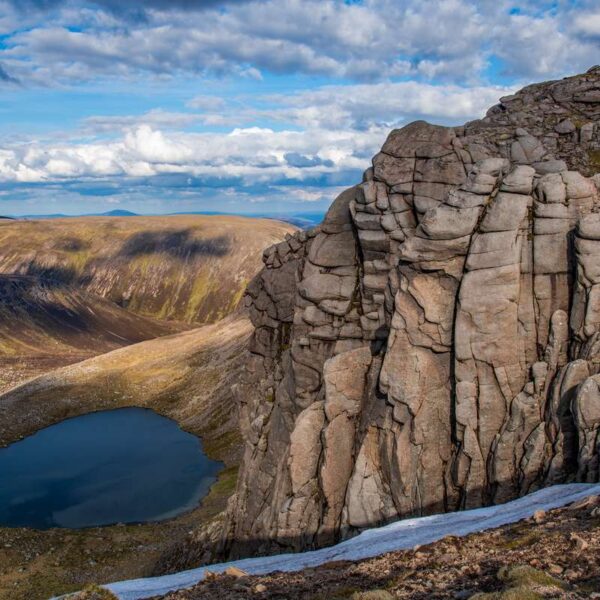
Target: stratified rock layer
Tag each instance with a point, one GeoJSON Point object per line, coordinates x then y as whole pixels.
{"type": "Point", "coordinates": [435, 343]}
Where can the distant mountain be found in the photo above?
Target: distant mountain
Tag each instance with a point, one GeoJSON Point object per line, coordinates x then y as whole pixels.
{"type": "Point", "coordinates": [110, 213]}
{"type": "Point", "coordinates": [301, 220]}
{"type": "Point", "coordinates": [116, 213]}
{"type": "Point", "coordinates": [183, 268]}
{"type": "Point", "coordinates": [50, 216]}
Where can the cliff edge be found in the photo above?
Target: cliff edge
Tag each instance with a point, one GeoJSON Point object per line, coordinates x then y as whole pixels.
{"type": "Point", "coordinates": [435, 343]}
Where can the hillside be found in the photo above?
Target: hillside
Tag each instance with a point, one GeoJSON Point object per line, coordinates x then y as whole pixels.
{"type": "Point", "coordinates": [176, 375]}
{"type": "Point", "coordinates": [43, 325]}
{"type": "Point", "coordinates": [188, 268]}
{"type": "Point", "coordinates": [508, 549]}
{"type": "Point", "coordinates": [187, 376]}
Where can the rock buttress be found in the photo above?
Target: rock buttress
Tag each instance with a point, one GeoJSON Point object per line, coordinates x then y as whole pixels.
{"type": "Point", "coordinates": [435, 343]}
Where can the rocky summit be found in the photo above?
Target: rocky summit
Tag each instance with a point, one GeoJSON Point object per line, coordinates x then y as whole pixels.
{"type": "Point", "coordinates": [435, 343]}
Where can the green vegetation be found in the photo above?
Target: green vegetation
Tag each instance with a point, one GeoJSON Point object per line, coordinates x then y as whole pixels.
{"type": "Point", "coordinates": [521, 582]}
{"type": "Point", "coordinates": [594, 160]}
{"type": "Point", "coordinates": [351, 593]}
{"type": "Point", "coordinates": [340, 593]}
{"type": "Point", "coordinates": [518, 593]}
{"type": "Point", "coordinates": [529, 538]}
{"type": "Point", "coordinates": [222, 444]}
{"type": "Point", "coordinates": [525, 575]}
{"type": "Point", "coordinates": [372, 595]}
{"type": "Point", "coordinates": [188, 268]}
{"type": "Point", "coordinates": [226, 482]}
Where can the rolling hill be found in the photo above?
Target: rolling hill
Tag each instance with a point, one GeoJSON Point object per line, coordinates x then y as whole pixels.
{"type": "Point", "coordinates": [187, 268]}
{"type": "Point", "coordinates": [44, 325]}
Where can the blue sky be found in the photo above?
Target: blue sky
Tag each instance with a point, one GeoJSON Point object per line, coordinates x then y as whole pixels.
{"type": "Point", "coordinates": [249, 106]}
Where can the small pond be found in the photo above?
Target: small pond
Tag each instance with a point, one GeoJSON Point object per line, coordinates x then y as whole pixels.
{"type": "Point", "coordinates": [128, 465]}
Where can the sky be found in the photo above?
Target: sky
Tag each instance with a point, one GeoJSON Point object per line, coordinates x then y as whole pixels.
{"type": "Point", "coordinates": [250, 106]}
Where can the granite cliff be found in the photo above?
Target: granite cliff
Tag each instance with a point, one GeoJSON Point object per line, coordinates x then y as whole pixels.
{"type": "Point", "coordinates": [435, 343]}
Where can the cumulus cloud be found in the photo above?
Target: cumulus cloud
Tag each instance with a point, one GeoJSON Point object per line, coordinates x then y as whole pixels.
{"type": "Point", "coordinates": [246, 155]}
{"type": "Point", "coordinates": [387, 61]}
{"type": "Point", "coordinates": [385, 104]}
{"type": "Point", "coordinates": [4, 76]}
{"type": "Point", "coordinates": [320, 133]}
{"type": "Point", "coordinates": [588, 24]}
{"type": "Point", "coordinates": [124, 6]}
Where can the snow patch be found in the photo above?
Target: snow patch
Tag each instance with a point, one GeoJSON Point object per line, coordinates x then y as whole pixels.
{"type": "Point", "coordinates": [400, 535]}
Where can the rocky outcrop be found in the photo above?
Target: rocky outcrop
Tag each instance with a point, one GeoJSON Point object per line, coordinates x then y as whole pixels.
{"type": "Point", "coordinates": [434, 344]}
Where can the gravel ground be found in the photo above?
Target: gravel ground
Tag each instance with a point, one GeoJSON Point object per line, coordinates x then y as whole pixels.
{"type": "Point", "coordinates": [553, 555]}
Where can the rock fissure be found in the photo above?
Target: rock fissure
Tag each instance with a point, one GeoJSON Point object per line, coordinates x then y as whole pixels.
{"type": "Point", "coordinates": [442, 330]}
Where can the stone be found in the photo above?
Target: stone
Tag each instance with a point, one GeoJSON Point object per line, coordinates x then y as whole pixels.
{"type": "Point", "coordinates": [326, 286]}
{"type": "Point", "coordinates": [580, 544]}
{"type": "Point", "coordinates": [565, 126]}
{"type": "Point", "coordinates": [235, 572]}
{"type": "Point", "coordinates": [377, 241]}
{"type": "Point", "coordinates": [578, 186]}
{"type": "Point", "coordinates": [305, 445]}
{"type": "Point", "coordinates": [333, 250]}
{"type": "Point", "coordinates": [505, 213]}
{"type": "Point", "coordinates": [539, 516]}
{"type": "Point", "coordinates": [392, 170]}
{"type": "Point", "coordinates": [446, 222]}
{"type": "Point", "coordinates": [519, 180]}
{"type": "Point", "coordinates": [549, 166]}
{"type": "Point", "coordinates": [434, 344]}
{"type": "Point", "coordinates": [368, 221]}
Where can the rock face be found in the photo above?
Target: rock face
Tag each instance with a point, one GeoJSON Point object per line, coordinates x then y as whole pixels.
{"type": "Point", "coordinates": [435, 343]}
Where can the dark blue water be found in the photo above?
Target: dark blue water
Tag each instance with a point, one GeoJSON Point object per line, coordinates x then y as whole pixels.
{"type": "Point", "coordinates": [120, 466]}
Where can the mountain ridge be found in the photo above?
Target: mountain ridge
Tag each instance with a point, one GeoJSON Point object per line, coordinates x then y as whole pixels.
{"type": "Point", "coordinates": [192, 269]}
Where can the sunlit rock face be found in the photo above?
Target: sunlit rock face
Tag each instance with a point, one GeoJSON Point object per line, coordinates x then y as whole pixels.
{"type": "Point", "coordinates": [435, 343]}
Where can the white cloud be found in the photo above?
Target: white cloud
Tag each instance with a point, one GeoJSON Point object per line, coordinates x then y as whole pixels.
{"type": "Point", "coordinates": [385, 104]}
{"type": "Point", "coordinates": [372, 40]}
{"type": "Point", "coordinates": [203, 102]}
{"type": "Point", "coordinates": [588, 24]}
{"type": "Point", "coordinates": [254, 154]}
{"type": "Point", "coordinates": [156, 118]}
{"type": "Point", "coordinates": [325, 131]}
{"type": "Point", "coordinates": [398, 61]}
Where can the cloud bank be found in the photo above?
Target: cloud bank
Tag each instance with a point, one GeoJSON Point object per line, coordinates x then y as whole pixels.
{"type": "Point", "coordinates": [292, 93]}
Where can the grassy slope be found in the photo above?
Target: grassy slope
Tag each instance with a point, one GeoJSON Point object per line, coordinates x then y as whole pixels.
{"type": "Point", "coordinates": [177, 375]}
{"type": "Point", "coordinates": [186, 376]}
{"type": "Point", "coordinates": [190, 268]}
{"type": "Point", "coordinates": [45, 326]}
